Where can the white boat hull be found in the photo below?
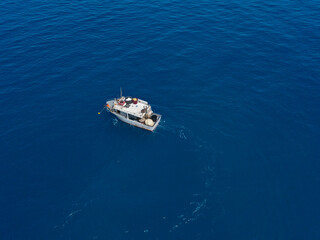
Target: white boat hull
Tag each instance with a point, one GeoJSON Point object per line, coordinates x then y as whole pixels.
{"type": "Point", "coordinates": [136, 123]}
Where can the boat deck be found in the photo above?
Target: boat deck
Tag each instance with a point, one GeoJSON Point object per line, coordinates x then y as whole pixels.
{"type": "Point", "coordinates": [133, 109]}
{"type": "Point", "coordinates": [124, 111]}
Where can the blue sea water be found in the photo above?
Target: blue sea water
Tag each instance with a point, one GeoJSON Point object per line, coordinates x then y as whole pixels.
{"type": "Point", "coordinates": [236, 155]}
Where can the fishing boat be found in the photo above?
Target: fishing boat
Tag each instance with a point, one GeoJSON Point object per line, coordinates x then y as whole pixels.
{"type": "Point", "coordinates": [134, 111]}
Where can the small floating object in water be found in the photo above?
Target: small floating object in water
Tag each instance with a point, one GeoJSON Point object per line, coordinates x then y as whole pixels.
{"type": "Point", "coordinates": [147, 230]}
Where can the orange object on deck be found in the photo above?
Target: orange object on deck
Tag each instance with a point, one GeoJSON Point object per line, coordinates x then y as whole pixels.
{"type": "Point", "coordinates": [135, 100]}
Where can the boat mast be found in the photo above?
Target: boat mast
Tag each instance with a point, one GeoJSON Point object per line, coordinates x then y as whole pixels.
{"type": "Point", "coordinates": [120, 92]}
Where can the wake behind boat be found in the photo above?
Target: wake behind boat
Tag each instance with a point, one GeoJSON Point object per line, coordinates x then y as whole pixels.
{"type": "Point", "coordinates": [134, 111]}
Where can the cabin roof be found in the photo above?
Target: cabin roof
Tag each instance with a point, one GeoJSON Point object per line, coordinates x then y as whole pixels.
{"type": "Point", "coordinates": [133, 109]}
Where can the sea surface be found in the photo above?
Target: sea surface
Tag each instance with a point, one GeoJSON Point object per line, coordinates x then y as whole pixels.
{"type": "Point", "coordinates": [237, 152]}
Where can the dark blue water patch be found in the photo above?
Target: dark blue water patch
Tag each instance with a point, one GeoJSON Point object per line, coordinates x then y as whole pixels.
{"type": "Point", "coordinates": [235, 155]}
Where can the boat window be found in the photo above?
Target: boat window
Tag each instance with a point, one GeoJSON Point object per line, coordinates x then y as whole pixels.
{"type": "Point", "coordinates": [131, 117]}
{"type": "Point", "coordinates": [123, 114]}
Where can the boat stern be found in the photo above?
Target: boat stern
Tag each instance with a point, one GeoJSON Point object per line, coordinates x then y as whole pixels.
{"type": "Point", "coordinates": [157, 122]}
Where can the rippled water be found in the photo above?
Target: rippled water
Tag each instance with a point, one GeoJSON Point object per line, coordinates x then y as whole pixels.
{"type": "Point", "coordinates": [236, 155]}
